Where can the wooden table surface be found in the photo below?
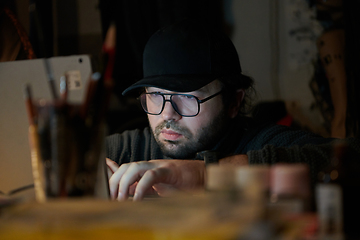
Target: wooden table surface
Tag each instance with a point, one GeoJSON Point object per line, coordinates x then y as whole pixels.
{"type": "Point", "coordinates": [188, 216]}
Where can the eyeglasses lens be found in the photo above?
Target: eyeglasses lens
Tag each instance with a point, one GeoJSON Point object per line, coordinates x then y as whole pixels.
{"type": "Point", "coordinates": [185, 105]}
{"type": "Point", "coordinates": [152, 103]}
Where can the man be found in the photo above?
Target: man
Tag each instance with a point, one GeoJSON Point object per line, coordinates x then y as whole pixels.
{"type": "Point", "coordinates": [195, 96]}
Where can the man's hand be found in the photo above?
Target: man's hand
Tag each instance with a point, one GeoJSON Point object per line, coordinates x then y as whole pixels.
{"type": "Point", "coordinates": [155, 176]}
{"type": "Point", "coordinates": [235, 160]}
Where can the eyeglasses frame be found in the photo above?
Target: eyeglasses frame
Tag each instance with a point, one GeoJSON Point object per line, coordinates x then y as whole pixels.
{"type": "Point", "coordinates": [170, 100]}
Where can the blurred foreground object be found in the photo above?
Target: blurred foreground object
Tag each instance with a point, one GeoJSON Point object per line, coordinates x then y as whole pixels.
{"type": "Point", "coordinates": [67, 142]}
{"type": "Point", "coordinates": [337, 201]}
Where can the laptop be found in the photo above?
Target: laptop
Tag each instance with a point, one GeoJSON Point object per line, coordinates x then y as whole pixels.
{"type": "Point", "coordinates": [15, 161]}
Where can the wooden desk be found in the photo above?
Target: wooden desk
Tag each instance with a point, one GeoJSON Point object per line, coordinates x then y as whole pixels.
{"type": "Point", "coordinates": [202, 216]}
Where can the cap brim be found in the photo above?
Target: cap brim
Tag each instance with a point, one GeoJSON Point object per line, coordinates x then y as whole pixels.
{"type": "Point", "coordinates": [176, 83]}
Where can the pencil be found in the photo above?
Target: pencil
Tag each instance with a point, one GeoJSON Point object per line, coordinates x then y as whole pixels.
{"type": "Point", "coordinates": [50, 78]}
{"type": "Point", "coordinates": [36, 163]}
{"type": "Point", "coordinates": [29, 104]}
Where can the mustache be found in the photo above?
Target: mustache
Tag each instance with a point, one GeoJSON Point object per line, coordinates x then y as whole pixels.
{"type": "Point", "coordinates": [173, 126]}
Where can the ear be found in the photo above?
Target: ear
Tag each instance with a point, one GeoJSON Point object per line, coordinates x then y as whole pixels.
{"type": "Point", "coordinates": [235, 105]}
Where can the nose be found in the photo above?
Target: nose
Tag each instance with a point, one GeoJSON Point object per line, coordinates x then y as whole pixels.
{"type": "Point", "coordinates": [169, 112]}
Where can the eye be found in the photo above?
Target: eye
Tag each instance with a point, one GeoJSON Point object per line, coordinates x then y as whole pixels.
{"type": "Point", "coordinates": [190, 97]}
{"type": "Point", "coordinates": [154, 94]}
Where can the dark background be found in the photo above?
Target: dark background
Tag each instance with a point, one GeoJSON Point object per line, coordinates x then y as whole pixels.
{"type": "Point", "coordinates": [137, 20]}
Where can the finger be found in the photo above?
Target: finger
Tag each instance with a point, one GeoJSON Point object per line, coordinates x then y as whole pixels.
{"type": "Point", "coordinates": [134, 172]}
{"type": "Point", "coordinates": [132, 189]}
{"type": "Point", "coordinates": [148, 192]}
{"type": "Point", "coordinates": [109, 172]}
{"type": "Point", "coordinates": [150, 178]}
{"type": "Point", "coordinates": [115, 180]}
{"type": "Point", "coordinates": [164, 190]}
{"type": "Point", "coordinates": [113, 166]}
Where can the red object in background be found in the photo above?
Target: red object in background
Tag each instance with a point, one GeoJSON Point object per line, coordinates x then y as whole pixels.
{"type": "Point", "coordinates": [109, 49]}
{"type": "Point", "coordinates": [286, 121]}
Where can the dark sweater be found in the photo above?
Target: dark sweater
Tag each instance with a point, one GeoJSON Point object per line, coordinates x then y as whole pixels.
{"type": "Point", "coordinates": [266, 144]}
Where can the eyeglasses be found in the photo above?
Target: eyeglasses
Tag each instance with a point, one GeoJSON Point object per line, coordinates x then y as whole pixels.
{"type": "Point", "coordinates": [185, 105]}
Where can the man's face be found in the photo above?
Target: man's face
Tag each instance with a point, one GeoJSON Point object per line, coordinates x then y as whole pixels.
{"type": "Point", "coordinates": [182, 137]}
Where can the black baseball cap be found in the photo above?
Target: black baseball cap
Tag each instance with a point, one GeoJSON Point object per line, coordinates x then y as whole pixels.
{"type": "Point", "coordinates": [186, 56]}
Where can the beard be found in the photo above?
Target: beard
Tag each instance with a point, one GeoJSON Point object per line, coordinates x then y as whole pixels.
{"type": "Point", "coordinates": [205, 138]}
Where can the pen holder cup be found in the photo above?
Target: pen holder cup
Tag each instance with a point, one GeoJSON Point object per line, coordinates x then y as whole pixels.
{"type": "Point", "coordinates": [67, 151]}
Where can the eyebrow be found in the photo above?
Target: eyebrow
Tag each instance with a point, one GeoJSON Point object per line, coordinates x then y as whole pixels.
{"type": "Point", "coordinates": [195, 93]}
{"type": "Point", "coordinates": [160, 90]}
